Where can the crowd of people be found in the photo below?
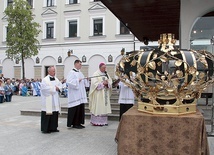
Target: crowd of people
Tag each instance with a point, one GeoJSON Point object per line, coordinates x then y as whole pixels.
{"type": "Point", "coordinates": [10, 87]}
{"type": "Point", "coordinates": [27, 87]}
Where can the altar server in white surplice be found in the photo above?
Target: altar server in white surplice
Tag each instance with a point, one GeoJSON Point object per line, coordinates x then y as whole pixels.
{"type": "Point", "coordinates": [77, 97]}
{"type": "Point", "coordinates": [50, 88]}
{"type": "Point", "coordinates": [126, 98]}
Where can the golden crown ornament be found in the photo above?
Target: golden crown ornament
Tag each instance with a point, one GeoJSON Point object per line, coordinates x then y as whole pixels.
{"type": "Point", "coordinates": [166, 80]}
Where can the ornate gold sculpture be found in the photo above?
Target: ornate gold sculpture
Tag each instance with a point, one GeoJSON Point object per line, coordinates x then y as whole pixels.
{"type": "Point", "coordinates": [166, 80]}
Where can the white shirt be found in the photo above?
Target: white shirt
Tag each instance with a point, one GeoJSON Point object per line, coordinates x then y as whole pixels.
{"type": "Point", "coordinates": [49, 88]}
{"type": "Point", "coordinates": [76, 89]}
{"type": "Point", "coordinates": [126, 94]}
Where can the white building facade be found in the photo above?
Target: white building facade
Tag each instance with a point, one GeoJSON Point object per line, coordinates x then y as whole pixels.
{"type": "Point", "coordinates": [85, 30]}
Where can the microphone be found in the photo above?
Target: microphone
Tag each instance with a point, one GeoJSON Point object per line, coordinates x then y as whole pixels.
{"type": "Point", "coordinates": [105, 84]}
{"type": "Point", "coordinates": [106, 74]}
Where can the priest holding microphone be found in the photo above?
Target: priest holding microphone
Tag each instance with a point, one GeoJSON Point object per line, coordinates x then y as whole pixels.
{"type": "Point", "coordinates": [99, 96]}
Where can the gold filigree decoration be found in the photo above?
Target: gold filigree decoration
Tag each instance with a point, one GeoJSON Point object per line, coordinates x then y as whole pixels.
{"type": "Point", "coordinates": [173, 76]}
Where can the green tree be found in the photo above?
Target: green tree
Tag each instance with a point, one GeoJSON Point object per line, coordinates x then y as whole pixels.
{"type": "Point", "coordinates": [22, 32]}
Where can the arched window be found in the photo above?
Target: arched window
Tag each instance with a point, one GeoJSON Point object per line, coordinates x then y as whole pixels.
{"type": "Point", "coordinates": [202, 33]}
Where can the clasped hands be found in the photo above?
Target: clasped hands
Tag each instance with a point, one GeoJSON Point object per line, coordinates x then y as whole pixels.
{"type": "Point", "coordinates": [105, 83]}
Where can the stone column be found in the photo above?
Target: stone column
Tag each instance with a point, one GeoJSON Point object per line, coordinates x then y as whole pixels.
{"type": "Point", "coordinates": [17, 72]}
{"type": "Point", "coordinates": [84, 70]}
{"type": "Point", "coordinates": [60, 71]}
{"type": "Point", "coordinates": [37, 72]}
{"type": "Point", "coordinates": [110, 68]}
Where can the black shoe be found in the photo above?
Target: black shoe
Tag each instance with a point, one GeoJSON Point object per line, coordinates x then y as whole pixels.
{"type": "Point", "coordinates": [82, 126]}
{"type": "Point", "coordinates": [46, 132]}
{"type": "Point", "coordinates": [68, 126]}
{"type": "Point", "coordinates": [54, 130]}
{"type": "Point", "coordinates": [77, 127]}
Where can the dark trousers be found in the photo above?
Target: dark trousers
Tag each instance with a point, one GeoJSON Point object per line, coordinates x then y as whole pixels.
{"type": "Point", "coordinates": [1, 99]}
{"type": "Point", "coordinates": [49, 122]}
{"type": "Point", "coordinates": [8, 98]}
{"type": "Point", "coordinates": [124, 108]}
{"type": "Point", "coordinates": [76, 115]}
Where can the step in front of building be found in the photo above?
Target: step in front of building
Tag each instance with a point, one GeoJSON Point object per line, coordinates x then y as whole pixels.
{"type": "Point", "coordinates": [113, 117]}
{"type": "Point", "coordinates": [114, 106]}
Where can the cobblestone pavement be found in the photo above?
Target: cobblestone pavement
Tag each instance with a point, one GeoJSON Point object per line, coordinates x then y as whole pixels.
{"type": "Point", "coordinates": [20, 135]}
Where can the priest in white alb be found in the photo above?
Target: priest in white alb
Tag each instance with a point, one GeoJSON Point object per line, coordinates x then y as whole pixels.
{"type": "Point", "coordinates": [77, 97]}
{"type": "Point", "coordinates": [50, 88]}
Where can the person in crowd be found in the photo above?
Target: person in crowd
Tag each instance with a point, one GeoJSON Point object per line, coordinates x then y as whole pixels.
{"type": "Point", "coordinates": [16, 87]}
{"type": "Point", "coordinates": [35, 85]}
{"type": "Point", "coordinates": [126, 98]}
{"type": "Point", "coordinates": [99, 96]}
{"type": "Point", "coordinates": [24, 90]}
{"type": "Point", "coordinates": [2, 77]}
{"type": "Point", "coordinates": [76, 96]}
{"type": "Point", "coordinates": [50, 87]}
{"type": "Point", "coordinates": [64, 88]}
{"type": "Point", "coordinates": [88, 87]}
{"type": "Point", "coordinates": [20, 87]}
{"type": "Point", "coordinates": [13, 81]}
{"type": "Point", "coordinates": [8, 88]}
{"type": "Point", "coordinates": [1, 91]}
{"type": "Point", "coordinates": [28, 84]}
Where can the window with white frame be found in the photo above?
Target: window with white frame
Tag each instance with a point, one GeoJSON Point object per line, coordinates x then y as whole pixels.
{"type": "Point", "coordinates": [5, 32]}
{"type": "Point", "coordinates": [9, 2]}
{"type": "Point", "coordinates": [50, 3]}
{"type": "Point", "coordinates": [49, 30]}
{"type": "Point", "coordinates": [124, 29]}
{"type": "Point", "coordinates": [72, 28]}
{"type": "Point", "coordinates": [30, 2]}
{"type": "Point", "coordinates": [98, 27]}
{"type": "Point", "coordinates": [73, 1]}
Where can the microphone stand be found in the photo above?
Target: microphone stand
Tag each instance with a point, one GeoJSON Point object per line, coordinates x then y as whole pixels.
{"type": "Point", "coordinates": [93, 76]}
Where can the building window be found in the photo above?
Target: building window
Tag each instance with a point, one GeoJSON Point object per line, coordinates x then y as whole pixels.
{"type": "Point", "coordinates": [9, 2]}
{"type": "Point", "coordinates": [30, 2]}
{"type": "Point", "coordinates": [72, 1]}
{"type": "Point", "coordinates": [124, 29]}
{"type": "Point", "coordinates": [5, 32]}
{"type": "Point", "coordinates": [50, 30]}
{"type": "Point", "coordinates": [72, 29]}
{"type": "Point", "coordinates": [50, 3]}
{"type": "Point", "coordinates": [98, 27]}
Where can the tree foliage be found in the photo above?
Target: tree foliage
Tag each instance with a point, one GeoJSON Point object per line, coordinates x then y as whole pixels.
{"type": "Point", "coordinates": [22, 32]}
